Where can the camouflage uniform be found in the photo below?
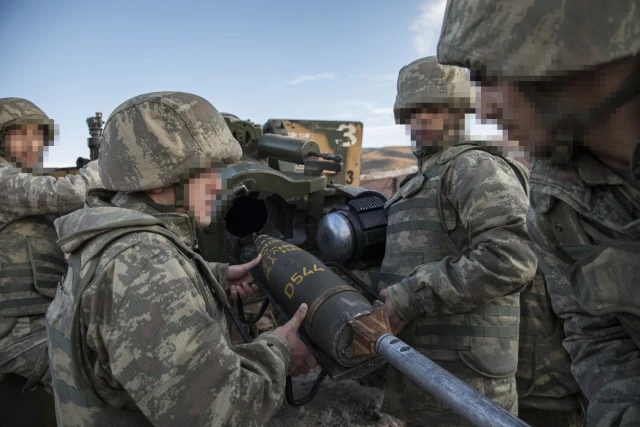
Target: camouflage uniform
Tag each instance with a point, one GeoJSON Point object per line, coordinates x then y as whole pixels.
{"type": "Point", "coordinates": [31, 263]}
{"type": "Point", "coordinates": [584, 217]}
{"type": "Point", "coordinates": [457, 254]}
{"type": "Point", "coordinates": [137, 329]}
{"type": "Point", "coordinates": [548, 395]}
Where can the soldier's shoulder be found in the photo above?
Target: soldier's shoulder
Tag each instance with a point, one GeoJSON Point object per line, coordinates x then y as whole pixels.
{"type": "Point", "coordinates": [5, 166]}
{"type": "Point", "coordinates": [137, 248]}
{"type": "Point", "coordinates": [480, 159]}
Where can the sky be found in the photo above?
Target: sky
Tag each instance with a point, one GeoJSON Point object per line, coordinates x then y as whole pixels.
{"type": "Point", "coordinates": [328, 60]}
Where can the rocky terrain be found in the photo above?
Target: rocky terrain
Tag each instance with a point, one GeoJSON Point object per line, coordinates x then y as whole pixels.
{"type": "Point", "coordinates": [337, 404]}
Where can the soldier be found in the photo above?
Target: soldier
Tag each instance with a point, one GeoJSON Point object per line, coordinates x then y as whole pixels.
{"type": "Point", "coordinates": [567, 77]}
{"type": "Point", "coordinates": [548, 395]}
{"type": "Point", "coordinates": [457, 251]}
{"type": "Point", "coordinates": [137, 329]}
{"type": "Point", "coordinates": [31, 263]}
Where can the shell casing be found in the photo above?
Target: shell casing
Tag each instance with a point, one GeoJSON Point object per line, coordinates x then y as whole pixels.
{"type": "Point", "coordinates": [294, 276]}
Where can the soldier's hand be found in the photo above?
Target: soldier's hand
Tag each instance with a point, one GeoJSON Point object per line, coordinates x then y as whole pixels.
{"type": "Point", "coordinates": [302, 361]}
{"type": "Point", "coordinates": [394, 320]}
{"type": "Point", "coordinates": [240, 282]}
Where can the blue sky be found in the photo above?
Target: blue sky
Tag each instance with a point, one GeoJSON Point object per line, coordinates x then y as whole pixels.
{"type": "Point", "coordinates": [332, 60]}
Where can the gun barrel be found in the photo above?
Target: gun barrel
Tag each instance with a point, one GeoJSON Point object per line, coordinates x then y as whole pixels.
{"type": "Point", "coordinates": [286, 148]}
{"type": "Point", "coordinates": [444, 386]}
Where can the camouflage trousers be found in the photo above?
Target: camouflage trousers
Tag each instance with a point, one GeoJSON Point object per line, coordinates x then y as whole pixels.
{"type": "Point", "coordinates": [405, 400]}
{"type": "Point", "coordinates": [23, 352]}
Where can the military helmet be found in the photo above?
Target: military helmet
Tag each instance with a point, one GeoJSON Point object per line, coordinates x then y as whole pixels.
{"type": "Point", "coordinates": [17, 111]}
{"type": "Point", "coordinates": [424, 83]}
{"type": "Point", "coordinates": [157, 139]}
{"type": "Point", "coordinates": [541, 38]}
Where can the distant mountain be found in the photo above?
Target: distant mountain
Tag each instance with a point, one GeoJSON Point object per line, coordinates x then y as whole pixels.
{"type": "Point", "coordinates": [387, 158]}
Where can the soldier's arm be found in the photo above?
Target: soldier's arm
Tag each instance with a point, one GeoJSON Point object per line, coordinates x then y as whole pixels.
{"type": "Point", "coordinates": [173, 358]}
{"type": "Point", "coordinates": [25, 194]}
{"type": "Point", "coordinates": [605, 359]}
{"type": "Point", "coordinates": [220, 271]}
{"type": "Point", "coordinates": [492, 205]}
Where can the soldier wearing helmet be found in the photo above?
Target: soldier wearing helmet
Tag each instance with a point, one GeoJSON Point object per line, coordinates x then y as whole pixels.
{"type": "Point", "coordinates": [457, 251]}
{"type": "Point", "coordinates": [137, 330]}
{"type": "Point", "coordinates": [31, 263]}
{"type": "Point", "coordinates": [564, 78]}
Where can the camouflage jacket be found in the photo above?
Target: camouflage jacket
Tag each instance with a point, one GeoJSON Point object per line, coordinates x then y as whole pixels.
{"type": "Point", "coordinates": [24, 194]}
{"type": "Point", "coordinates": [544, 374]}
{"type": "Point", "coordinates": [456, 256]}
{"type": "Point", "coordinates": [148, 342]}
{"type": "Point", "coordinates": [496, 259]}
{"type": "Point", "coordinates": [584, 222]}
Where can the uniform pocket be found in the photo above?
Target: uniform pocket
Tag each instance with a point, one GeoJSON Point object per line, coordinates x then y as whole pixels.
{"type": "Point", "coordinates": [494, 332]}
{"type": "Point", "coordinates": [592, 278]}
{"type": "Point", "coordinates": [48, 264]}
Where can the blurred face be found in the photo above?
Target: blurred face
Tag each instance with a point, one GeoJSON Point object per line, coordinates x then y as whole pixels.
{"type": "Point", "coordinates": [201, 193]}
{"type": "Point", "coordinates": [24, 144]}
{"type": "Point", "coordinates": [430, 128]}
{"type": "Point", "coordinates": [503, 103]}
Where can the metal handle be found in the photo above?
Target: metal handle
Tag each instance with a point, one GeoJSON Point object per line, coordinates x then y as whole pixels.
{"type": "Point", "coordinates": [444, 386]}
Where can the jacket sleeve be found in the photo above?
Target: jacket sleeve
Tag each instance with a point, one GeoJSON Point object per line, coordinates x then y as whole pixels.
{"type": "Point", "coordinates": [174, 360]}
{"type": "Point", "coordinates": [25, 194]}
{"type": "Point", "coordinates": [492, 205]}
{"type": "Point", "coordinates": [605, 358]}
{"type": "Point", "coordinates": [220, 271]}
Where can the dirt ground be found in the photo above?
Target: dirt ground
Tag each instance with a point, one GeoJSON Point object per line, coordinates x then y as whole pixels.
{"type": "Point", "coordinates": [337, 404]}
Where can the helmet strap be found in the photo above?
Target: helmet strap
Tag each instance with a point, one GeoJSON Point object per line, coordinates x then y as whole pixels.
{"type": "Point", "coordinates": [181, 200]}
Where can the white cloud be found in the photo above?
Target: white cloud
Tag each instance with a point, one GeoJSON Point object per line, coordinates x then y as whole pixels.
{"type": "Point", "coordinates": [426, 26]}
{"type": "Point", "coordinates": [311, 77]}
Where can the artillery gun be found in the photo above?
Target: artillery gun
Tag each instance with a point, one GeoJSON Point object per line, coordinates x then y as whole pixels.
{"type": "Point", "coordinates": [95, 130]}
{"type": "Point", "coordinates": [283, 186]}
{"type": "Point", "coordinates": [289, 199]}
{"type": "Point", "coordinates": [288, 216]}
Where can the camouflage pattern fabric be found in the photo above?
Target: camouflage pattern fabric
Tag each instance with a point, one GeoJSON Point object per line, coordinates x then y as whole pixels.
{"type": "Point", "coordinates": [424, 82]}
{"type": "Point", "coordinates": [525, 39]}
{"type": "Point", "coordinates": [548, 395]}
{"type": "Point", "coordinates": [583, 218]}
{"type": "Point", "coordinates": [147, 342]}
{"type": "Point", "coordinates": [584, 222]}
{"type": "Point", "coordinates": [545, 418]}
{"type": "Point", "coordinates": [457, 254]}
{"type": "Point", "coordinates": [24, 352]}
{"type": "Point", "coordinates": [25, 194]}
{"type": "Point", "coordinates": [31, 263]}
{"type": "Point", "coordinates": [547, 392]}
{"type": "Point", "coordinates": [176, 135]}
